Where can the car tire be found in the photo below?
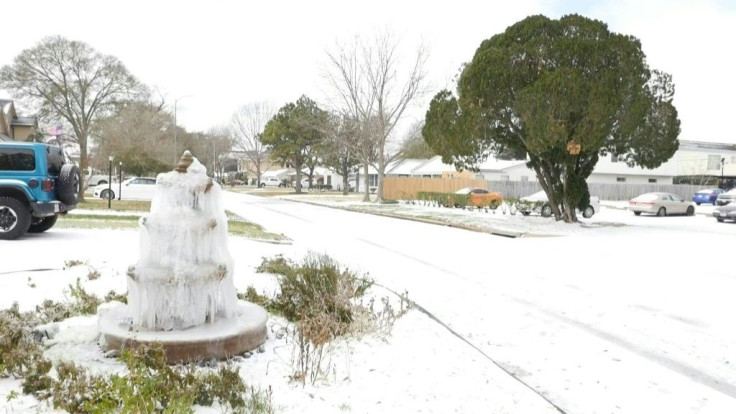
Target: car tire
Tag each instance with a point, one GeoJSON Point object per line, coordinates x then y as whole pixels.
{"type": "Point", "coordinates": [42, 224]}
{"type": "Point", "coordinates": [262, 185]}
{"type": "Point", "coordinates": [69, 184]}
{"type": "Point", "coordinates": [690, 211]}
{"type": "Point", "coordinates": [546, 210]}
{"type": "Point", "coordinates": [107, 194]}
{"type": "Point", "coordinates": [588, 212]}
{"type": "Point", "coordinates": [718, 219]}
{"type": "Point", "coordinates": [525, 213]}
{"type": "Point", "coordinates": [697, 204]}
{"type": "Point", "coordinates": [661, 212]}
{"type": "Point", "coordinates": [637, 213]}
{"type": "Point", "coordinates": [15, 218]}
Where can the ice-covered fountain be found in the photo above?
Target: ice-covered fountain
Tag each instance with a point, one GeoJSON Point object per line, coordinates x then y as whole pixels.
{"type": "Point", "coordinates": [181, 292]}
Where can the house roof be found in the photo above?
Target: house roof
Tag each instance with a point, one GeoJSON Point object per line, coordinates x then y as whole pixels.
{"type": "Point", "coordinates": [494, 164]}
{"type": "Point", "coordinates": [406, 167]}
{"type": "Point", "coordinates": [433, 166]}
{"type": "Point", "coordinates": [24, 120]}
{"type": "Point", "coordinates": [701, 145]}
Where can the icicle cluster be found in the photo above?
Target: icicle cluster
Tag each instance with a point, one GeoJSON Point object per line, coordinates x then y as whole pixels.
{"type": "Point", "coordinates": [183, 277]}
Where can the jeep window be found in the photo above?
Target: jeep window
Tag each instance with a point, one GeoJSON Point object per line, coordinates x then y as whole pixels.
{"type": "Point", "coordinates": [55, 159]}
{"type": "Point", "coordinates": [17, 159]}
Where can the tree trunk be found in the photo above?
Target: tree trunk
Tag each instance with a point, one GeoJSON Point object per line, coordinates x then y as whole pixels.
{"type": "Point", "coordinates": [366, 194]}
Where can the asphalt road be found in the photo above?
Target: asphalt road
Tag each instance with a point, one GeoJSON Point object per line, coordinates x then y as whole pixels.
{"type": "Point", "coordinates": [634, 317]}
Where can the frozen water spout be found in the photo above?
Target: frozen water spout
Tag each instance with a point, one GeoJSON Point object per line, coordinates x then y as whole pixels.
{"type": "Point", "coordinates": [183, 279]}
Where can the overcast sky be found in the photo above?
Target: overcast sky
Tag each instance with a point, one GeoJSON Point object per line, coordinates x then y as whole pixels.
{"type": "Point", "coordinates": [217, 55]}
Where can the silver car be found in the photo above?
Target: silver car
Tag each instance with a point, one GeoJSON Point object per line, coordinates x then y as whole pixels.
{"type": "Point", "coordinates": [725, 198]}
{"type": "Point", "coordinates": [661, 204]}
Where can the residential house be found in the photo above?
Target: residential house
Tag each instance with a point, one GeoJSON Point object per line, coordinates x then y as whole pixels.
{"type": "Point", "coordinates": [12, 126]}
{"type": "Point", "coordinates": [706, 159]}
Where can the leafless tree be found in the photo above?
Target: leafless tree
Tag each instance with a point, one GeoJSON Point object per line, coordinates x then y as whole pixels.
{"type": "Point", "coordinates": [247, 125]}
{"type": "Point", "coordinates": [375, 87]}
{"type": "Point", "coordinates": [69, 80]}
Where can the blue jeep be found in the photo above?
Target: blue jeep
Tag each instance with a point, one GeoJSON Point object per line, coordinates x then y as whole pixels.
{"type": "Point", "coordinates": [36, 185]}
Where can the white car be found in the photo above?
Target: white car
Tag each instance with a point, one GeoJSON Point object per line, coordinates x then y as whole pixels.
{"type": "Point", "coordinates": [661, 204]}
{"type": "Point", "coordinates": [137, 188]}
{"type": "Point", "coordinates": [271, 182]}
{"type": "Point", "coordinates": [539, 202]}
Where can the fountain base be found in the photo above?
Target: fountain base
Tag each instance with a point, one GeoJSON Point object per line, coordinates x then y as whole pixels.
{"type": "Point", "coordinates": [221, 339]}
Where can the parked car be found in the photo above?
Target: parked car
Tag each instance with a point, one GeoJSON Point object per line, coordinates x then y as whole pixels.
{"type": "Point", "coordinates": [539, 202]}
{"type": "Point", "coordinates": [727, 212]}
{"type": "Point", "coordinates": [136, 188]}
{"type": "Point", "coordinates": [661, 204]}
{"type": "Point", "coordinates": [480, 197]}
{"type": "Point", "coordinates": [97, 179]}
{"type": "Point", "coordinates": [271, 182]}
{"type": "Point", "coordinates": [727, 197]}
{"type": "Point", "coordinates": [707, 196]}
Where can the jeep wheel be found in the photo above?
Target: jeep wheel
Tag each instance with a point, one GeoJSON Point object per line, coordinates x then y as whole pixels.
{"type": "Point", "coordinates": [69, 184]}
{"type": "Point", "coordinates": [15, 218]}
{"type": "Point", "coordinates": [41, 224]}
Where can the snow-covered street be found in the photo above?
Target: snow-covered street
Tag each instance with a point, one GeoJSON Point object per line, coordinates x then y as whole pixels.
{"type": "Point", "coordinates": [624, 315]}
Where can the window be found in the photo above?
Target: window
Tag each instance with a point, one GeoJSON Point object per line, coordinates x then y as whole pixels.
{"type": "Point", "coordinates": [714, 162]}
{"type": "Point", "coordinates": [504, 177]}
{"type": "Point", "coordinates": [653, 180]}
{"type": "Point", "coordinates": [620, 179]}
{"type": "Point", "coordinates": [524, 178]}
{"type": "Point", "coordinates": [17, 159]}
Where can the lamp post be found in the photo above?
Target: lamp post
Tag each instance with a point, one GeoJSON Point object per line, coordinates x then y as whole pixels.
{"type": "Point", "coordinates": [723, 162]}
{"type": "Point", "coordinates": [109, 181]}
{"type": "Point", "coordinates": [120, 180]}
{"type": "Point", "coordinates": [176, 144]}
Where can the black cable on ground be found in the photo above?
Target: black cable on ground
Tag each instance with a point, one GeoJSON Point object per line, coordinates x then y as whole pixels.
{"type": "Point", "coordinates": [462, 338]}
{"type": "Point", "coordinates": [28, 270]}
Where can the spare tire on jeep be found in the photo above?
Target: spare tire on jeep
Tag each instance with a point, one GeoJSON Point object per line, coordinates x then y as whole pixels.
{"type": "Point", "coordinates": [69, 184]}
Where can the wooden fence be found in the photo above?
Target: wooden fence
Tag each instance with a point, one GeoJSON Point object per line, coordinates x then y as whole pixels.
{"type": "Point", "coordinates": [406, 188]}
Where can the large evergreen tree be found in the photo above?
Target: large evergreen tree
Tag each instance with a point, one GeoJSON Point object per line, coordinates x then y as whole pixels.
{"type": "Point", "coordinates": [294, 132]}
{"type": "Point", "coordinates": [562, 92]}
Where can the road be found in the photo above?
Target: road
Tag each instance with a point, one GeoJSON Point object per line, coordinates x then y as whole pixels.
{"type": "Point", "coordinates": [634, 317]}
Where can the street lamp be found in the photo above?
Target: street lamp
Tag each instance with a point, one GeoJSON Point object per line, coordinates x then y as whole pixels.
{"type": "Point", "coordinates": [120, 180]}
{"type": "Point", "coordinates": [176, 144]}
{"type": "Point", "coordinates": [723, 161]}
{"type": "Point", "coordinates": [109, 181]}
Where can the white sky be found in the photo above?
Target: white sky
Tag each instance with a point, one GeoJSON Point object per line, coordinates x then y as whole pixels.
{"type": "Point", "coordinates": [219, 55]}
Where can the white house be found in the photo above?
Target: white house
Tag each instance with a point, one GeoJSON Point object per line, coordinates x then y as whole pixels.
{"type": "Point", "coordinates": [696, 158]}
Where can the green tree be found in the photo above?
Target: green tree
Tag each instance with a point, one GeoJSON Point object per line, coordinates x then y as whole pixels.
{"type": "Point", "coordinates": [561, 92]}
{"type": "Point", "coordinates": [294, 132]}
{"type": "Point", "coordinates": [70, 80]}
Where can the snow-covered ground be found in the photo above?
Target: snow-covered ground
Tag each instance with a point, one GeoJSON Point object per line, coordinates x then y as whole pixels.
{"type": "Point", "coordinates": [607, 305]}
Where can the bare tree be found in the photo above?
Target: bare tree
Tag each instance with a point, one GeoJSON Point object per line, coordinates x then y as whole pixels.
{"type": "Point", "coordinates": [367, 81]}
{"type": "Point", "coordinates": [70, 80]}
{"type": "Point", "coordinates": [341, 146]}
{"type": "Point", "coordinates": [136, 134]}
{"type": "Point", "coordinates": [247, 127]}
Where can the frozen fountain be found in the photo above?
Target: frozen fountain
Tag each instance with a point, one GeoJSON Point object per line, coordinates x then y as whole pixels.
{"type": "Point", "coordinates": [181, 292]}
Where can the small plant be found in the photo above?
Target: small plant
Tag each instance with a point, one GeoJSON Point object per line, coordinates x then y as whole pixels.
{"type": "Point", "coordinates": [264, 301]}
{"type": "Point", "coordinates": [30, 283]}
{"type": "Point", "coordinates": [93, 274]}
{"type": "Point", "coordinates": [319, 296]}
{"type": "Point", "coordinates": [72, 263]}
